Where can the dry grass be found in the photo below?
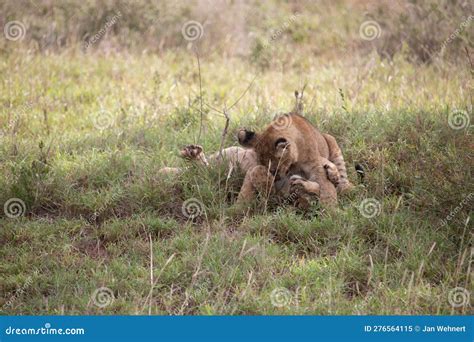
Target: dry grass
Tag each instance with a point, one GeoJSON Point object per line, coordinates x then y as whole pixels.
{"type": "Point", "coordinates": [84, 134]}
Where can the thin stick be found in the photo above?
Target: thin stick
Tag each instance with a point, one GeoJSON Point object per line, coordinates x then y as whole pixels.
{"type": "Point", "coordinates": [200, 95]}
{"type": "Point", "coordinates": [242, 95]}
{"type": "Point", "coordinates": [236, 102]}
{"type": "Point", "coordinates": [224, 132]}
{"type": "Point", "coordinates": [221, 157]}
{"type": "Point", "coordinates": [371, 270]}
{"type": "Point", "coordinates": [299, 100]}
{"type": "Point", "coordinates": [215, 109]}
{"type": "Point", "coordinates": [302, 90]}
{"type": "Point", "coordinates": [472, 66]}
{"type": "Point", "coordinates": [311, 104]}
{"type": "Point", "coordinates": [148, 298]}
{"type": "Point", "coordinates": [151, 270]}
{"type": "Point", "coordinates": [469, 58]}
{"type": "Point", "coordinates": [196, 273]}
{"type": "Point", "coordinates": [299, 97]}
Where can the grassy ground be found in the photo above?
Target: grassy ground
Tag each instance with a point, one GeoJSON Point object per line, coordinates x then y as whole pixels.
{"type": "Point", "coordinates": [85, 135]}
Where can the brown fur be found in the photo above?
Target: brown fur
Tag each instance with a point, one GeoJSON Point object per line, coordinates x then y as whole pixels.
{"type": "Point", "coordinates": [257, 178]}
{"type": "Point", "coordinates": [292, 145]}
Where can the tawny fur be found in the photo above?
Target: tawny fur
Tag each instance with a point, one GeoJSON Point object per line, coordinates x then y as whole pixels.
{"type": "Point", "coordinates": [235, 156]}
{"type": "Point", "coordinates": [292, 142]}
{"type": "Point", "coordinates": [257, 179]}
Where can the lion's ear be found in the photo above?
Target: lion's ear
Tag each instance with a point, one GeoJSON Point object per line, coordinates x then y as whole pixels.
{"type": "Point", "coordinates": [281, 144]}
{"type": "Point", "coordinates": [247, 138]}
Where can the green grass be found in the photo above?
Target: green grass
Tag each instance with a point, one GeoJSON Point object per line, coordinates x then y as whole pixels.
{"type": "Point", "coordinates": [98, 214]}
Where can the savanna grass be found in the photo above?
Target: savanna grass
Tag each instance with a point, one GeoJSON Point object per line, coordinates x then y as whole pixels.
{"type": "Point", "coordinates": [85, 154]}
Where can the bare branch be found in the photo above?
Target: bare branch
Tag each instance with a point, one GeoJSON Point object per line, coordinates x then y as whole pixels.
{"type": "Point", "coordinates": [224, 132]}
{"type": "Point", "coordinates": [299, 100]}
{"type": "Point", "coordinates": [215, 109]}
{"type": "Point", "coordinates": [200, 94]}
{"type": "Point", "coordinates": [470, 61]}
{"type": "Point", "coordinates": [472, 66]}
{"type": "Point", "coordinates": [242, 95]}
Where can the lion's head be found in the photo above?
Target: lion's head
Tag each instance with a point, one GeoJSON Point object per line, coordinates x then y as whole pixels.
{"type": "Point", "coordinates": [274, 148]}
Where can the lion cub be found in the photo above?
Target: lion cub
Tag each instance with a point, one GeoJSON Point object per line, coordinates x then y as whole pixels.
{"type": "Point", "coordinates": [292, 145]}
{"type": "Point", "coordinates": [294, 187]}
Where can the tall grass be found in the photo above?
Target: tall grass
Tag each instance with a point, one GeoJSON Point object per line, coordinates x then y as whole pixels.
{"type": "Point", "coordinates": [84, 133]}
{"type": "Point", "coordinates": [419, 29]}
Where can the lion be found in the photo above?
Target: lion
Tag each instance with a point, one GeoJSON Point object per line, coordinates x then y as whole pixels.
{"type": "Point", "coordinates": [293, 187]}
{"type": "Point", "coordinates": [292, 145]}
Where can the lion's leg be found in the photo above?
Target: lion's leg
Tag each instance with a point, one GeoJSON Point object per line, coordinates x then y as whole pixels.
{"type": "Point", "coordinates": [256, 180]}
{"type": "Point", "coordinates": [327, 193]}
{"type": "Point", "coordinates": [192, 153]}
{"type": "Point", "coordinates": [309, 187]}
{"type": "Point", "coordinates": [335, 156]}
{"type": "Point", "coordinates": [331, 171]}
{"type": "Point", "coordinates": [302, 191]}
{"type": "Point", "coordinates": [237, 157]}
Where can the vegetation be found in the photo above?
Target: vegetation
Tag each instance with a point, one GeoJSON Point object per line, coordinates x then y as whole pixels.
{"type": "Point", "coordinates": [84, 131]}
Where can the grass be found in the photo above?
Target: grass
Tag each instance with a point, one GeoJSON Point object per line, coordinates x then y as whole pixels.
{"type": "Point", "coordinates": [84, 138]}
